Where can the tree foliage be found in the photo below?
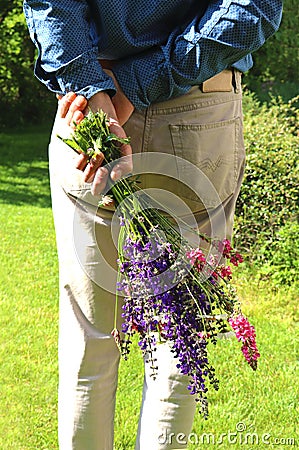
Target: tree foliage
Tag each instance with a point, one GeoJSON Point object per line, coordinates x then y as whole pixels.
{"type": "Point", "coordinates": [276, 64]}
{"type": "Point", "coordinates": [278, 58]}
{"type": "Point", "coordinates": [23, 98]}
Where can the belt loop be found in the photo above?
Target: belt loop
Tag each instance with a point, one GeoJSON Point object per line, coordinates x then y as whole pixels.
{"type": "Point", "coordinates": [237, 80]}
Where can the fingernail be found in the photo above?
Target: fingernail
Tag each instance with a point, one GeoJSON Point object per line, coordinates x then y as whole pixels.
{"type": "Point", "coordinates": [70, 96]}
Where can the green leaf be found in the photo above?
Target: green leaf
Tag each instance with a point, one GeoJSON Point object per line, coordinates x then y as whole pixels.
{"type": "Point", "coordinates": [71, 143]}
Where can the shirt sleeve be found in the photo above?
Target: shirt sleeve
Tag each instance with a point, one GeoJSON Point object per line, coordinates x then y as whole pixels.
{"type": "Point", "coordinates": [228, 32]}
{"type": "Point", "coordinates": [66, 38]}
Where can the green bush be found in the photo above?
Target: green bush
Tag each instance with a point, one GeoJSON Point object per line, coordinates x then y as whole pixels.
{"type": "Point", "coordinates": [280, 261]}
{"type": "Point", "coordinates": [268, 203]}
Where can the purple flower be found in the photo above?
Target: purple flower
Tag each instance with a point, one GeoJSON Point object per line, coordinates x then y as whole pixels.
{"type": "Point", "coordinates": [176, 307]}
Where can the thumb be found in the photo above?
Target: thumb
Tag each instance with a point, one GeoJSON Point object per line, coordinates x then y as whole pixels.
{"type": "Point", "coordinates": [122, 168]}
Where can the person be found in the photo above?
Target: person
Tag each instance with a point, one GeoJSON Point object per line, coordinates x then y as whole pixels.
{"type": "Point", "coordinates": [168, 74]}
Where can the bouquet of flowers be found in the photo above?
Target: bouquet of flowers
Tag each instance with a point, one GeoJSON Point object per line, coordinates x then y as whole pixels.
{"type": "Point", "coordinates": [171, 291]}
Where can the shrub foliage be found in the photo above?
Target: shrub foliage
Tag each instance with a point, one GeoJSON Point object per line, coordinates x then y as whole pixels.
{"type": "Point", "coordinates": [268, 203]}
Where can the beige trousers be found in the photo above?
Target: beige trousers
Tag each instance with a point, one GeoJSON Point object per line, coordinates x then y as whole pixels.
{"type": "Point", "coordinates": [204, 129]}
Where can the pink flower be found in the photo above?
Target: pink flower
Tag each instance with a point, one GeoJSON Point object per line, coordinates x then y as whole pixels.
{"type": "Point", "coordinates": [245, 333]}
{"type": "Point", "coordinates": [197, 258]}
{"type": "Point", "coordinates": [225, 247]}
{"type": "Point", "coordinates": [229, 253]}
{"type": "Point", "coordinates": [236, 259]}
{"type": "Point", "coordinates": [225, 271]}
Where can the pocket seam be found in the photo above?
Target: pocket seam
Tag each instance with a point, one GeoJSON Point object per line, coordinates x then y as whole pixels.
{"type": "Point", "coordinates": [177, 138]}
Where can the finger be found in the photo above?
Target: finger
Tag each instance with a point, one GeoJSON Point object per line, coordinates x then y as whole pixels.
{"type": "Point", "coordinates": [122, 168]}
{"type": "Point", "coordinates": [92, 167]}
{"type": "Point", "coordinates": [117, 129]}
{"type": "Point", "coordinates": [64, 104]}
{"type": "Point", "coordinates": [79, 104]}
{"type": "Point", "coordinates": [125, 165]}
{"type": "Point", "coordinates": [78, 116]}
{"type": "Point", "coordinates": [82, 162]}
{"type": "Point", "coordinates": [99, 181]}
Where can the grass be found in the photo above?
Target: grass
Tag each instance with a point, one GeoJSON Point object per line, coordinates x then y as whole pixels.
{"type": "Point", "coordinates": [265, 402]}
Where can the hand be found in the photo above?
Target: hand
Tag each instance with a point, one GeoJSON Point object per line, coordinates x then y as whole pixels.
{"type": "Point", "coordinates": [73, 108]}
{"type": "Point", "coordinates": [123, 107]}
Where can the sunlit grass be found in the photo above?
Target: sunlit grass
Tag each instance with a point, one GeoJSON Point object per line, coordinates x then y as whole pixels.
{"type": "Point", "coordinates": [265, 402]}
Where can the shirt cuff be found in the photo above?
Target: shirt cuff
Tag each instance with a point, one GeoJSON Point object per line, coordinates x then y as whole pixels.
{"type": "Point", "coordinates": [82, 75]}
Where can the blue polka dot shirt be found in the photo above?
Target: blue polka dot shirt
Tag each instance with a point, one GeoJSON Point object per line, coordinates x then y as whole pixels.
{"type": "Point", "coordinates": [160, 48]}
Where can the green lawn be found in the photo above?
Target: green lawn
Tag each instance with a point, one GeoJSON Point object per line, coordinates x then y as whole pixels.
{"type": "Point", "coordinates": [265, 402]}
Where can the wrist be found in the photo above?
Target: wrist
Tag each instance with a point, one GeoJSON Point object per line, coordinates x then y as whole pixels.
{"type": "Point", "coordinates": [102, 100]}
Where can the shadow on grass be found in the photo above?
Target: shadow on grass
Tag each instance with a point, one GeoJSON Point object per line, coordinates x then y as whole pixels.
{"type": "Point", "coordinates": [24, 166]}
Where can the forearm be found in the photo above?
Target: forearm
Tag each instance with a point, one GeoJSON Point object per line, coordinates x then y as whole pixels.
{"type": "Point", "coordinates": [67, 43]}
